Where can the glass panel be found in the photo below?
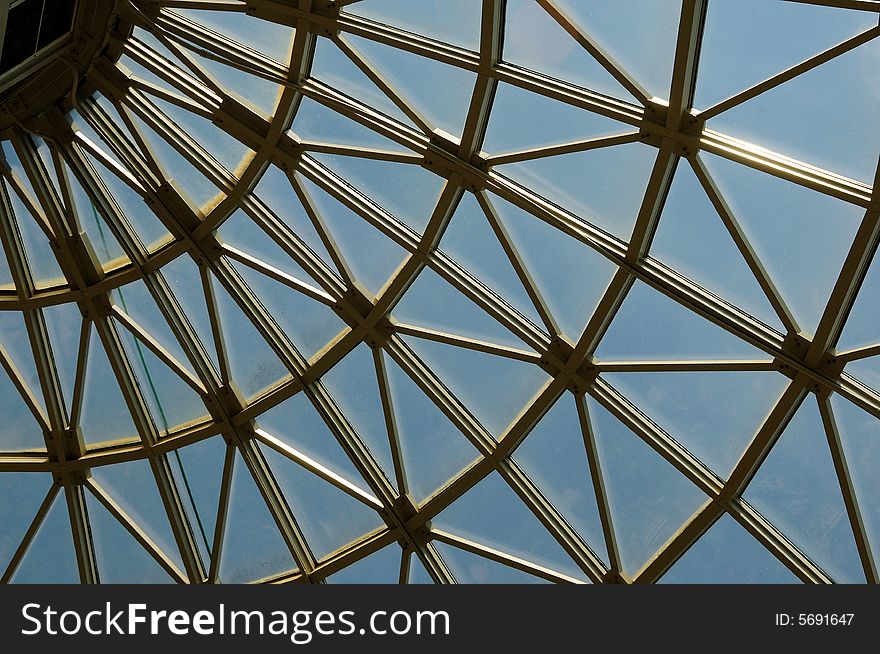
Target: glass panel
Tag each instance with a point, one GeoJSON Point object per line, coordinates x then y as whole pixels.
{"type": "Point", "coordinates": [618, 176]}
{"type": "Point", "coordinates": [860, 440]}
{"type": "Point", "coordinates": [468, 568]}
{"type": "Point", "coordinates": [309, 324]}
{"type": "Point", "coordinates": [382, 567]}
{"type": "Point", "coordinates": [866, 370]}
{"type": "Point", "coordinates": [492, 514]}
{"type": "Point", "coordinates": [50, 558]}
{"type": "Point", "coordinates": [406, 191]}
{"type": "Point", "coordinates": [801, 236]}
{"type": "Point", "coordinates": [252, 545]}
{"type": "Point", "coordinates": [522, 120]}
{"type": "Point", "coordinates": [713, 414]}
{"type": "Point", "coordinates": [121, 559]}
{"type": "Point", "coordinates": [453, 21]}
{"type": "Point", "coordinates": [553, 456]}
{"type": "Point", "coordinates": [835, 104]}
{"type": "Point", "coordinates": [650, 326]}
{"type": "Point", "coordinates": [433, 303]}
{"type": "Point", "coordinates": [317, 123]}
{"type": "Point", "coordinates": [649, 499]}
{"type": "Point", "coordinates": [469, 240]}
{"type": "Point", "coordinates": [570, 276]}
{"type": "Point", "coordinates": [746, 41]}
{"type": "Point", "coordinates": [639, 34]}
{"type": "Point", "coordinates": [94, 224]}
{"type": "Point", "coordinates": [198, 473]}
{"type": "Point", "coordinates": [727, 554]}
{"type": "Point", "coordinates": [255, 367]}
{"type": "Point", "coordinates": [19, 429]}
{"type": "Point", "coordinates": [133, 486]}
{"type": "Point", "coordinates": [797, 489]}
{"type": "Point", "coordinates": [433, 450]}
{"type": "Point", "coordinates": [370, 254]}
{"type": "Point", "coordinates": [860, 329]}
{"type": "Point", "coordinates": [269, 38]}
{"type": "Point", "coordinates": [439, 92]}
{"type": "Point", "coordinates": [354, 387]}
{"type": "Point", "coordinates": [63, 324]}
{"type": "Point", "coordinates": [494, 388]}
{"type": "Point", "coordinates": [533, 39]}
{"type": "Point", "coordinates": [331, 66]}
{"type": "Point", "coordinates": [42, 264]}
{"type": "Point", "coordinates": [105, 415]}
{"type": "Point", "coordinates": [296, 422]}
{"type": "Point", "coordinates": [6, 283]}
{"type": "Point", "coordinates": [329, 518]}
{"type": "Point", "coordinates": [22, 493]}
{"type": "Point", "coordinates": [417, 572]}
{"type": "Point", "coordinates": [693, 240]}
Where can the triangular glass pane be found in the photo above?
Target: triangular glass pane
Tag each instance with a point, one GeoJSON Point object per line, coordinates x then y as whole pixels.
{"type": "Point", "coordinates": [252, 91]}
{"type": "Point", "coordinates": [406, 191]}
{"type": "Point", "coordinates": [453, 21]}
{"type": "Point", "coordinates": [317, 123]}
{"type": "Point", "coordinates": [826, 116]}
{"type": "Point", "coordinates": [441, 93]}
{"type": "Point", "coordinates": [15, 340]}
{"type": "Point", "coordinates": [713, 414]}
{"type": "Point", "coordinates": [121, 559]}
{"type": "Point", "coordinates": [190, 181]}
{"type": "Point", "coordinates": [183, 277]}
{"type": "Point", "coordinates": [328, 517]}
{"type": "Point", "coordinates": [149, 229]}
{"type": "Point", "coordinates": [553, 456]}
{"type": "Point", "coordinates": [19, 429]}
{"type": "Point", "coordinates": [94, 224]}
{"type": "Point", "coordinates": [469, 568]}
{"type": "Point", "coordinates": [309, 324]}
{"type": "Point", "coordinates": [609, 201]}
{"type": "Point", "coordinates": [469, 240]}
{"type": "Point", "coordinates": [50, 558]}
{"type": "Point", "coordinates": [382, 567]}
{"type": "Point", "coordinates": [244, 234]}
{"type": "Point", "coordinates": [492, 514]}
{"type": "Point", "coordinates": [570, 276]}
{"type": "Point", "coordinates": [417, 572]}
{"type": "Point", "coordinates": [297, 423]}
{"type": "Point", "coordinates": [171, 402]}
{"type": "Point", "coordinates": [42, 264]}
{"type": "Point", "coordinates": [639, 34]}
{"type": "Point", "coordinates": [496, 389]}
{"type": "Point", "coordinates": [269, 38]}
{"type": "Point", "coordinates": [255, 367]}
{"type": "Point", "coordinates": [431, 302]}
{"type": "Point", "coordinates": [649, 499]}
{"type": "Point", "coordinates": [747, 41]}
{"type": "Point", "coordinates": [522, 120]}
{"type": "Point", "coordinates": [727, 554]}
{"type": "Point", "coordinates": [650, 326]}
{"type": "Point", "coordinates": [6, 283]}
{"type": "Point", "coordinates": [133, 486]}
{"type": "Point", "coordinates": [801, 236]}
{"type": "Point", "coordinates": [354, 386]}
{"type": "Point", "coordinates": [860, 438]}
{"type": "Point", "coordinates": [797, 489]}
{"type": "Point", "coordinates": [105, 415]}
{"type": "Point", "coordinates": [63, 323]}
{"type": "Point", "coordinates": [692, 239]}
{"type": "Point", "coordinates": [866, 370]}
{"type": "Point", "coordinates": [252, 545]}
{"type": "Point", "coordinates": [331, 66]}
{"type": "Point", "coordinates": [275, 191]}
{"type": "Point", "coordinates": [371, 255]}
{"type": "Point", "coordinates": [533, 39]}
{"type": "Point", "coordinates": [860, 329]}
{"type": "Point", "coordinates": [433, 450]}
{"type": "Point", "coordinates": [22, 494]}
{"type": "Point", "coordinates": [198, 473]}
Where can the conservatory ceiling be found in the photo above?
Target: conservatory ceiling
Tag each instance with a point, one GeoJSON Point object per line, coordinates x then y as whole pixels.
{"type": "Point", "coordinates": [442, 290]}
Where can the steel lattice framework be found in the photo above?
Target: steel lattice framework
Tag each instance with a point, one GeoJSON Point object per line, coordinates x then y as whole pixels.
{"type": "Point", "coordinates": [118, 107]}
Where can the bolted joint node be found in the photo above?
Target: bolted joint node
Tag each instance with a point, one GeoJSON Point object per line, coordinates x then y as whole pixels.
{"type": "Point", "coordinates": [231, 399]}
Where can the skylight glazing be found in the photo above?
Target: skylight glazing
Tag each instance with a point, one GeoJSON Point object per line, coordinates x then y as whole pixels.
{"type": "Point", "coordinates": [415, 290]}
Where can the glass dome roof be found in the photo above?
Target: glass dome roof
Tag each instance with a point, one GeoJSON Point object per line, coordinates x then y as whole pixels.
{"type": "Point", "coordinates": [443, 291]}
